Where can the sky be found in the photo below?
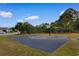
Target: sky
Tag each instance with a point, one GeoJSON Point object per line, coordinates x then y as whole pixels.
{"type": "Point", "coordinates": [34, 13]}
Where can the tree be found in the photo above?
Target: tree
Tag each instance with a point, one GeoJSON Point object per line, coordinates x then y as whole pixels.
{"type": "Point", "coordinates": [42, 28]}
{"type": "Point", "coordinates": [24, 27]}
{"type": "Point", "coordinates": [76, 26]}
{"type": "Point", "coordinates": [20, 27]}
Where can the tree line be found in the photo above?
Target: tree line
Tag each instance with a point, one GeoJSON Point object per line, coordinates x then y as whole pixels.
{"type": "Point", "coordinates": [68, 22]}
{"type": "Point", "coordinates": [54, 27]}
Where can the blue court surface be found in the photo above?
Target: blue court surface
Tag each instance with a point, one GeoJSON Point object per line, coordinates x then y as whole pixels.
{"type": "Point", "coordinates": [45, 43]}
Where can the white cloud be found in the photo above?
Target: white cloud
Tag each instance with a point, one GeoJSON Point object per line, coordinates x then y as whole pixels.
{"type": "Point", "coordinates": [28, 19]}
{"type": "Point", "coordinates": [20, 20]}
{"type": "Point", "coordinates": [6, 14]}
{"type": "Point", "coordinates": [32, 18]}
{"type": "Point", "coordinates": [61, 13]}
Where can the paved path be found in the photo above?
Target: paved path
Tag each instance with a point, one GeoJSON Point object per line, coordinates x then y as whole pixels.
{"type": "Point", "coordinates": [46, 44]}
{"type": "Point", "coordinates": [9, 34]}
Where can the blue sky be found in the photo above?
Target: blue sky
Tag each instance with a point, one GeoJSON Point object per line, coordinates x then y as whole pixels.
{"type": "Point", "coordinates": [35, 14]}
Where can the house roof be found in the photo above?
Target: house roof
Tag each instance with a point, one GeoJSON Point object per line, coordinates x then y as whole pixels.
{"type": "Point", "coordinates": [4, 28]}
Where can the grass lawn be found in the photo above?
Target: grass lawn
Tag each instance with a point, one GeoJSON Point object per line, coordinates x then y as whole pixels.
{"type": "Point", "coordinates": [70, 48]}
{"type": "Point", "coordinates": [8, 47]}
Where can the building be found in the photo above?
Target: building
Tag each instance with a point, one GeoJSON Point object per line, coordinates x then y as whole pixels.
{"type": "Point", "coordinates": [4, 30]}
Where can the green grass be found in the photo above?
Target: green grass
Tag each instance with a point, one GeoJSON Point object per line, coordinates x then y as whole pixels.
{"type": "Point", "coordinates": [22, 34]}
{"type": "Point", "coordinates": [68, 49]}
{"type": "Point", "coordinates": [9, 47]}
{"type": "Point", "coordinates": [71, 35]}
{"type": "Point", "coordinates": [71, 48]}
